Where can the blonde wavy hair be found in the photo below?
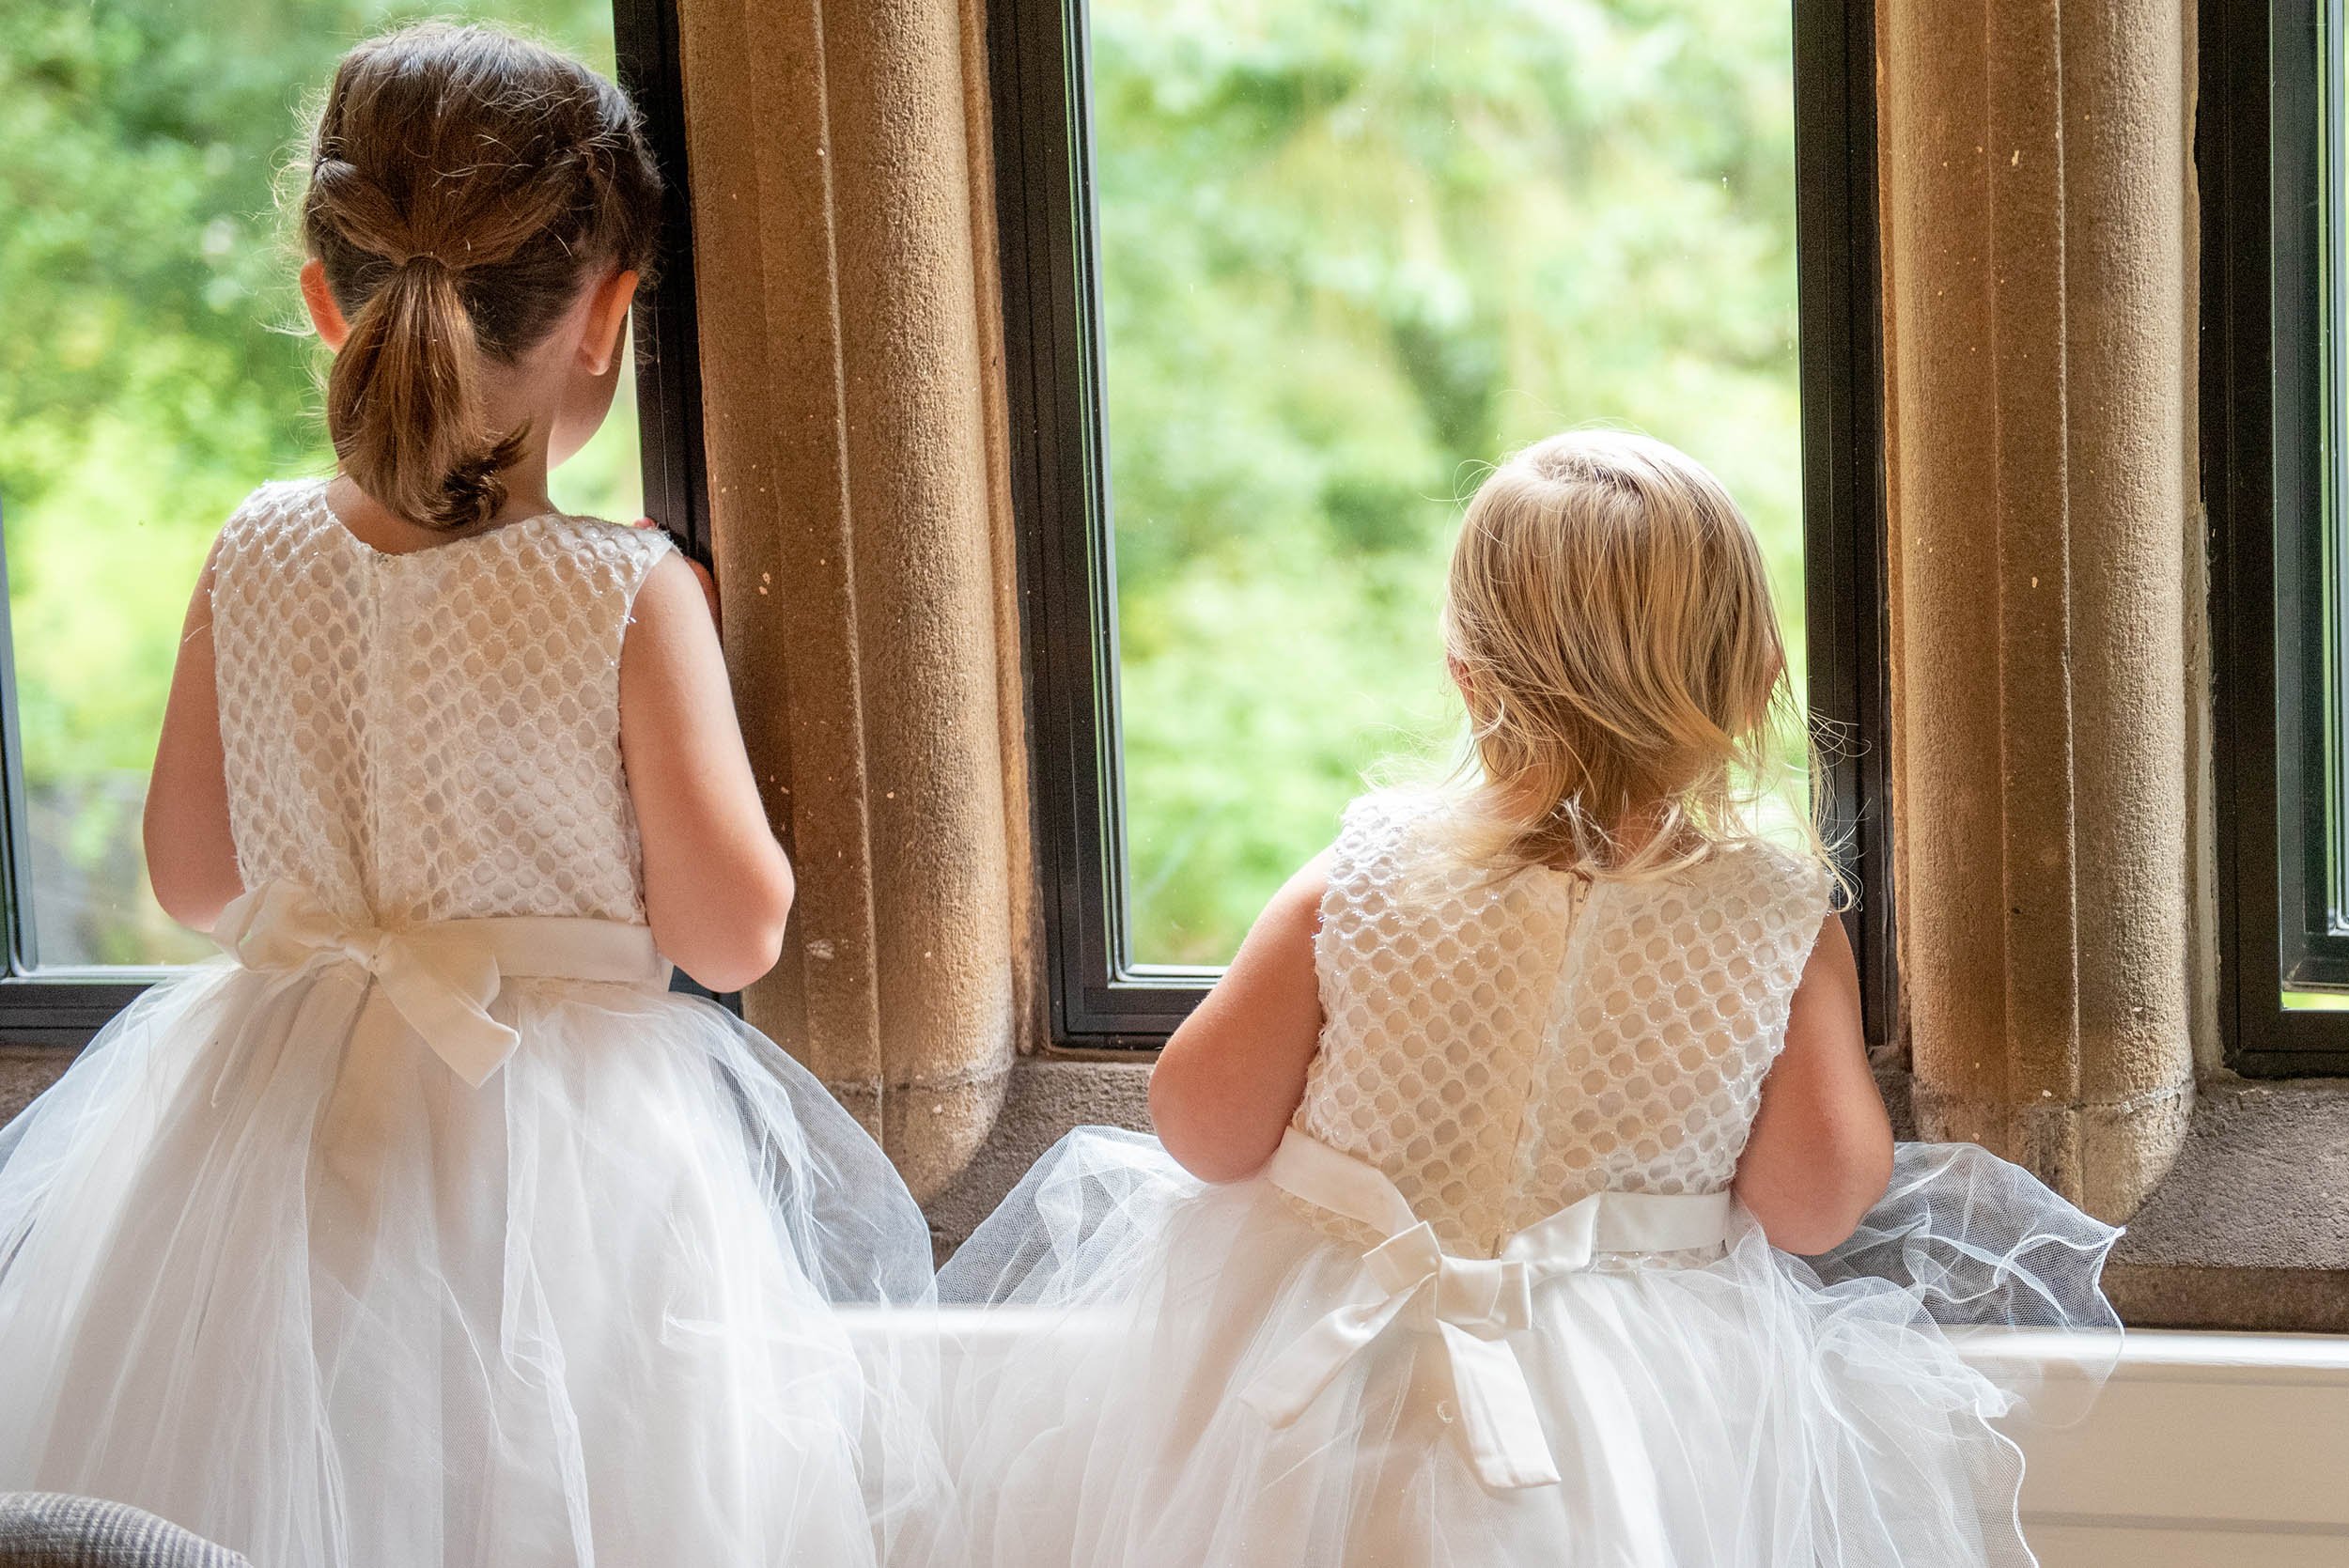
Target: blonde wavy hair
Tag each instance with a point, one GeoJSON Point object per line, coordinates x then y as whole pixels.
{"type": "Point", "coordinates": [1607, 619]}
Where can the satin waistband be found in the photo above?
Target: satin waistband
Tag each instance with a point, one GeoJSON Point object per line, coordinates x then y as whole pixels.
{"type": "Point", "coordinates": [1409, 1284]}
{"type": "Point", "coordinates": [440, 978]}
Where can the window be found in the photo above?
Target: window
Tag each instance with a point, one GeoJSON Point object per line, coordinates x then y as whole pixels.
{"type": "Point", "coordinates": [147, 381]}
{"type": "Point", "coordinates": [1279, 276]}
{"type": "Point", "coordinates": [2269, 151]}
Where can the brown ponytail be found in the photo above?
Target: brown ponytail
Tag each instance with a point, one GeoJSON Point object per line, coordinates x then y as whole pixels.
{"type": "Point", "coordinates": [463, 186]}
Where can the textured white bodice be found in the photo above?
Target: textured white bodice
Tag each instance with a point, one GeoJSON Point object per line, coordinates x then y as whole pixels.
{"type": "Point", "coordinates": [1501, 1048]}
{"type": "Point", "coordinates": [432, 736]}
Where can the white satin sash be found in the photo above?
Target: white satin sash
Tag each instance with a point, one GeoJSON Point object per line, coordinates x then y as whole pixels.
{"type": "Point", "coordinates": [437, 979]}
{"type": "Point", "coordinates": [1472, 1304]}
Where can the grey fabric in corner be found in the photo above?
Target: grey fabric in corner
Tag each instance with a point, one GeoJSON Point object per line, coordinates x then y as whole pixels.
{"type": "Point", "coordinates": [46, 1530]}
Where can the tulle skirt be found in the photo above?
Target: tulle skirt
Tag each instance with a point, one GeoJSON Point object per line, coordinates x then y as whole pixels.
{"type": "Point", "coordinates": [1755, 1411]}
{"type": "Point", "coordinates": [300, 1289]}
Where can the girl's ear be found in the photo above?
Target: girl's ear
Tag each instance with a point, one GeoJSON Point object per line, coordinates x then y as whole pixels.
{"type": "Point", "coordinates": [607, 313]}
{"type": "Point", "coordinates": [1461, 677]}
{"type": "Point", "coordinates": [325, 314]}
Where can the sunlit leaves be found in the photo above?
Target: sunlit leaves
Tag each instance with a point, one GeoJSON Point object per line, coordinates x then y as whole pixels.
{"type": "Point", "coordinates": [1353, 250]}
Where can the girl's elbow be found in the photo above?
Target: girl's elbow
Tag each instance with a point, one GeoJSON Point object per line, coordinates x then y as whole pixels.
{"type": "Point", "coordinates": [189, 903]}
{"type": "Point", "coordinates": [762, 906]}
{"type": "Point", "coordinates": [1167, 1119]}
{"type": "Point", "coordinates": [1818, 1211]}
{"type": "Point", "coordinates": [766, 921]}
{"type": "Point", "coordinates": [1877, 1177]}
{"type": "Point", "coordinates": [728, 957]}
{"type": "Point", "coordinates": [1813, 1231]}
{"type": "Point", "coordinates": [1214, 1162]}
{"type": "Point", "coordinates": [1868, 1174]}
{"type": "Point", "coordinates": [192, 896]}
{"type": "Point", "coordinates": [725, 935]}
{"type": "Point", "coordinates": [729, 967]}
{"type": "Point", "coordinates": [1806, 1239]}
{"type": "Point", "coordinates": [1201, 1143]}
{"type": "Point", "coordinates": [757, 947]}
{"type": "Point", "coordinates": [172, 891]}
{"type": "Point", "coordinates": [783, 891]}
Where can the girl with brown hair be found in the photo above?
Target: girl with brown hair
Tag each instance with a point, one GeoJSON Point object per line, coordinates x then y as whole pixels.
{"type": "Point", "coordinates": [432, 1228]}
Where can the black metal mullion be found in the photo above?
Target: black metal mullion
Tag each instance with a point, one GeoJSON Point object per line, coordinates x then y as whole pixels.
{"type": "Point", "coordinates": [1026, 77]}
{"type": "Point", "coordinates": [2302, 448]}
{"type": "Point", "coordinates": [16, 836]}
{"type": "Point", "coordinates": [2309, 610]}
{"type": "Point", "coordinates": [2265, 447]}
{"type": "Point", "coordinates": [1846, 606]}
{"type": "Point", "coordinates": [2237, 394]}
{"type": "Point", "coordinates": [1060, 493]}
{"type": "Point", "coordinates": [2321, 859]}
{"type": "Point", "coordinates": [2305, 205]}
{"type": "Point", "coordinates": [666, 324]}
{"type": "Point", "coordinates": [667, 335]}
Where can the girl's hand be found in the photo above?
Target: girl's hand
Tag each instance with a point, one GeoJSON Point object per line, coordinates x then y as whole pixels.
{"type": "Point", "coordinates": [700, 574]}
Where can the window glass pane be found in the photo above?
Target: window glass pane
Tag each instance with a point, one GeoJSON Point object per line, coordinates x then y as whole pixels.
{"type": "Point", "coordinates": [149, 377]}
{"type": "Point", "coordinates": [2328, 864]}
{"type": "Point", "coordinates": [1351, 250]}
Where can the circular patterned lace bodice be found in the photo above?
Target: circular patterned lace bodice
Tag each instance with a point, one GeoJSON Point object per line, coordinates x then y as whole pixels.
{"type": "Point", "coordinates": [430, 736]}
{"type": "Point", "coordinates": [1501, 1048]}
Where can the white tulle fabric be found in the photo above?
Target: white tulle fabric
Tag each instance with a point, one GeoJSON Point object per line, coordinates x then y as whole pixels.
{"type": "Point", "coordinates": [1363, 1356]}
{"type": "Point", "coordinates": [438, 1232]}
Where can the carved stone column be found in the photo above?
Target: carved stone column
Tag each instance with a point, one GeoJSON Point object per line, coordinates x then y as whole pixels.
{"type": "Point", "coordinates": [2038, 327]}
{"type": "Point", "coordinates": [843, 259]}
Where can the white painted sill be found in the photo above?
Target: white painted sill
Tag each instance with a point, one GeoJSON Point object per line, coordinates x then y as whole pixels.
{"type": "Point", "coordinates": [2204, 1451]}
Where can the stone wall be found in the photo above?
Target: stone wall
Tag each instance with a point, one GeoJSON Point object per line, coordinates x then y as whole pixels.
{"type": "Point", "coordinates": [852, 401]}
{"type": "Point", "coordinates": [2038, 325]}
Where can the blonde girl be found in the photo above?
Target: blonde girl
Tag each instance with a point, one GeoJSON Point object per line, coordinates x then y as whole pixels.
{"type": "Point", "coordinates": [1474, 1232]}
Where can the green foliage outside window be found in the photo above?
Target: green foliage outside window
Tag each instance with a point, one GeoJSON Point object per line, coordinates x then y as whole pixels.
{"type": "Point", "coordinates": [1352, 251]}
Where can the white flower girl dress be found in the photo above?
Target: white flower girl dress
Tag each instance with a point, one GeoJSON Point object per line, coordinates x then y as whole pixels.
{"type": "Point", "coordinates": [1493, 1302]}
{"type": "Point", "coordinates": [430, 1229]}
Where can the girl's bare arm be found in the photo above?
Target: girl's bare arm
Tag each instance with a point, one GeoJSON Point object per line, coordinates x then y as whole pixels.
{"type": "Point", "coordinates": [191, 855]}
{"type": "Point", "coordinates": [1233, 1075]}
{"type": "Point", "coordinates": [1821, 1151]}
{"type": "Point", "coordinates": [717, 887]}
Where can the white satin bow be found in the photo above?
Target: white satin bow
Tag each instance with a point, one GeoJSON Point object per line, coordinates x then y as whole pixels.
{"type": "Point", "coordinates": [439, 978]}
{"type": "Point", "coordinates": [1470, 1304]}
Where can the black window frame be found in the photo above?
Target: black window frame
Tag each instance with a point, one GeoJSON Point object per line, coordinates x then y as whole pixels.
{"type": "Point", "coordinates": [2272, 452]}
{"type": "Point", "coordinates": [66, 1006]}
{"type": "Point", "coordinates": [1098, 997]}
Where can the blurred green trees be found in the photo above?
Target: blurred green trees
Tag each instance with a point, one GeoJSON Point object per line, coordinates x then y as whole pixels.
{"type": "Point", "coordinates": [1352, 250]}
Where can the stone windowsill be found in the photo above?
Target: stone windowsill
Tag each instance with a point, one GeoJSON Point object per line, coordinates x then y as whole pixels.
{"type": "Point", "coordinates": [2251, 1229]}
